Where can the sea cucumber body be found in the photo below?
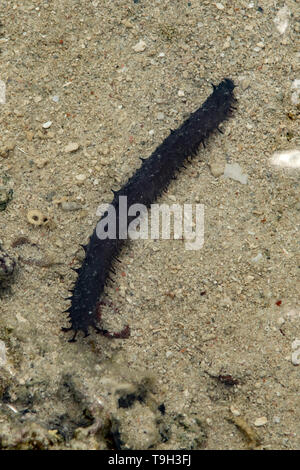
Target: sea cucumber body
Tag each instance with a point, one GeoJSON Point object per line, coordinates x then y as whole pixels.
{"type": "Point", "coordinates": [144, 187]}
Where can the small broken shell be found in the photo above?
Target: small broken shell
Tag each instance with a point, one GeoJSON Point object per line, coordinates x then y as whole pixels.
{"type": "Point", "coordinates": [37, 218]}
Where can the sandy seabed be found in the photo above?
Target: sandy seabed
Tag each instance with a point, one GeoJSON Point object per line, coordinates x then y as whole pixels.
{"type": "Point", "coordinates": [211, 362]}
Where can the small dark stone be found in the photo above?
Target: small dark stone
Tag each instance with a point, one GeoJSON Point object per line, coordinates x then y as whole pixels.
{"type": "Point", "coordinates": [162, 408]}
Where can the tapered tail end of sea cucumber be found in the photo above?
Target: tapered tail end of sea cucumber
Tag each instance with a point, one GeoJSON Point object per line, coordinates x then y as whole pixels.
{"type": "Point", "coordinates": [73, 339]}
{"type": "Point", "coordinates": [123, 334]}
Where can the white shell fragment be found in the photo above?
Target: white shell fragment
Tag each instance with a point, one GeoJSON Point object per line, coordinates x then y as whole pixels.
{"type": "Point", "coordinates": [286, 158]}
{"type": "Point", "coordinates": [2, 92]}
{"type": "Point", "coordinates": [296, 353]}
{"type": "Point", "coordinates": [234, 171]}
{"type": "Point", "coordinates": [2, 354]}
{"type": "Point", "coordinates": [47, 124]}
{"type": "Point", "coordinates": [295, 98]}
{"type": "Point", "coordinates": [282, 19]}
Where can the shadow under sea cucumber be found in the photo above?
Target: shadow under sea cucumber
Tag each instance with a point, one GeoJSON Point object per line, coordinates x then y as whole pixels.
{"type": "Point", "coordinates": [144, 187]}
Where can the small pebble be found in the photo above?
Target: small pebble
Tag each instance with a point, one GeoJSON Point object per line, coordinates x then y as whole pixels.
{"type": "Point", "coordinates": [180, 93]}
{"type": "Point", "coordinates": [70, 206]}
{"type": "Point", "coordinates": [260, 421]}
{"type": "Point", "coordinates": [217, 168]}
{"type": "Point", "coordinates": [71, 147]}
{"type": "Point", "coordinates": [7, 149]}
{"type": "Point", "coordinates": [245, 83]}
{"type": "Point", "coordinates": [296, 354]}
{"type": "Point", "coordinates": [2, 92]}
{"type": "Point", "coordinates": [55, 98]}
{"type": "Point", "coordinates": [140, 46]}
{"type": "Point", "coordinates": [208, 337]}
{"type": "Point", "coordinates": [127, 23]}
{"type": "Point", "coordinates": [295, 98]}
{"type": "Point", "coordinates": [47, 124]}
{"type": "Point", "coordinates": [18, 113]}
{"type": "Point", "coordinates": [2, 353]}
{"type": "Point", "coordinates": [219, 6]}
{"type": "Point", "coordinates": [234, 411]}
{"type": "Point", "coordinates": [29, 136]}
{"type": "Point", "coordinates": [296, 358]}
{"type": "Point", "coordinates": [41, 162]}
{"type": "Point", "coordinates": [80, 178]}
{"type": "Point", "coordinates": [160, 116]}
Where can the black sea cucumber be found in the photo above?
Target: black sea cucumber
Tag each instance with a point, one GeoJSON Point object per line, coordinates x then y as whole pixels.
{"type": "Point", "coordinates": [148, 183]}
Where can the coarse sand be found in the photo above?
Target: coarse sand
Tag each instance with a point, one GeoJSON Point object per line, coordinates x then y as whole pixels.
{"type": "Point", "coordinates": [212, 362]}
